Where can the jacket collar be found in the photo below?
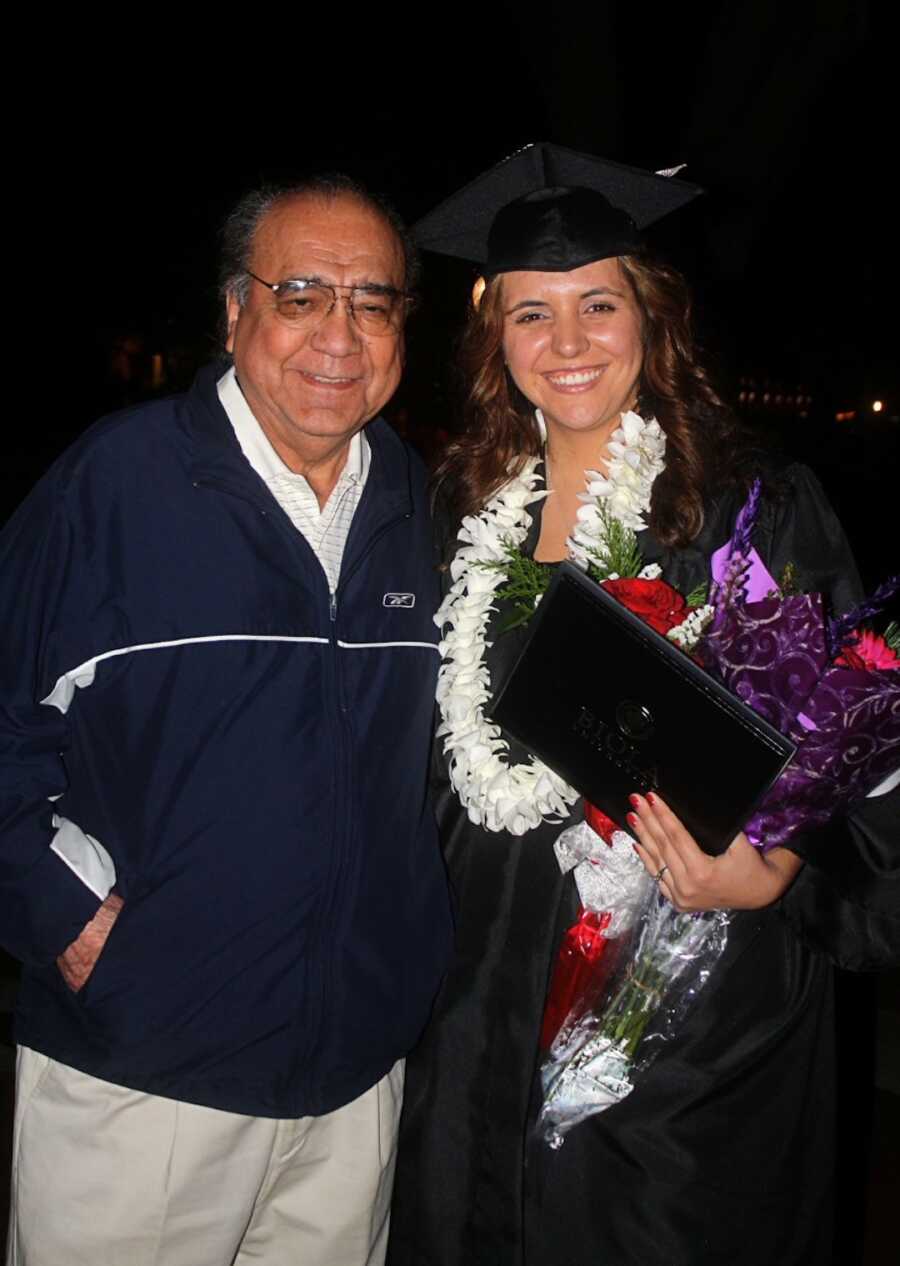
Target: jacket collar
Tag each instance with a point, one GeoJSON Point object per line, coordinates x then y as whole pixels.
{"type": "Point", "coordinates": [216, 455]}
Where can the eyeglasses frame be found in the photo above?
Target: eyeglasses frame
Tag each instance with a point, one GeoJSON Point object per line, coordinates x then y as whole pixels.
{"type": "Point", "coordinates": [407, 296]}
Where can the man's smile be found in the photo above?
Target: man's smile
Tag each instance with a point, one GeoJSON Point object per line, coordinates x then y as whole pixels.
{"type": "Point", "coordinates": [331, 382]}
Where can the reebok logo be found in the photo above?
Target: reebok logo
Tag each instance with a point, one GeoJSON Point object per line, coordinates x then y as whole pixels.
{"type": "Point", "coordinates": [399, 600]}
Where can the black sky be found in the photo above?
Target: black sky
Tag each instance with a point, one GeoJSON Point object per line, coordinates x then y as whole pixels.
{"type": "Point", "coordinates": [131, 143]}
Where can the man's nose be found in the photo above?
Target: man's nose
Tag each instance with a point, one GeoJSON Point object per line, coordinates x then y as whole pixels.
{"type": "Point", "coordinates": [337, 332]}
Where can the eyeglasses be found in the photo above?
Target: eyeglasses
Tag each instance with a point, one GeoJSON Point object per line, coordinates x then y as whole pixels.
{"type": "Point", "coordinates": [305, 302]}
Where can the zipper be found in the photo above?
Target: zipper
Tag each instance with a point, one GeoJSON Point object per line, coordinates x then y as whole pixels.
{"type": "Point", "coordinates": [343, 781]}
{"type": "Point", "coordinates": [342, 580]}
{"type": "Point", "coordinates": [308, 1025]}
{"type": "Point", "coordinates": [320, 978]}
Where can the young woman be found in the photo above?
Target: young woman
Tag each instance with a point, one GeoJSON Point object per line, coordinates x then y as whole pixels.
{"type": "Point", "coordinates": [723, 1151]}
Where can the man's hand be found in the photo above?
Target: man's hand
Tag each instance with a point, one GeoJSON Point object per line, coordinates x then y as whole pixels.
{"type": "Point", "coordinates": [741, 878]}
{"type": "Point", "coordinates": [77, 962]}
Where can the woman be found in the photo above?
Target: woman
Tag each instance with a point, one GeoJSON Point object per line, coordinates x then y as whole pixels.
{"type": "Point", "coordinates": [722, 1152]}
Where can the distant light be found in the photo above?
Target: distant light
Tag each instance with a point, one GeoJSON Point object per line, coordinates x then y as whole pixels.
{"type": "Point", "coordinates": [877, 406]}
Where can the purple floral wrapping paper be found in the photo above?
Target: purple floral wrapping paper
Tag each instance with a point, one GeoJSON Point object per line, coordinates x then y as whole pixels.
{"type": "Point", "coordinates": [773, 654]}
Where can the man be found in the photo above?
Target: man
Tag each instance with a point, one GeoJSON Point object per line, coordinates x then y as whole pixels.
{"type": "Point", "coordinates": [217, 861]}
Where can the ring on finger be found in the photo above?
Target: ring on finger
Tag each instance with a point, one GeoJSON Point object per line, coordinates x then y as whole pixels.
{"type": "Point", "coordinates": [659, 874]}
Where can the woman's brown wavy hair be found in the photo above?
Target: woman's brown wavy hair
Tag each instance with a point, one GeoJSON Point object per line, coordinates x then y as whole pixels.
{"type": "Point", "coordinates": [500, 430]}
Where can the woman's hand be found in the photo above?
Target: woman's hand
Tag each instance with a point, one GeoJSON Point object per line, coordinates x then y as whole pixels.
{"type": "Point", "coordinates": [741, 878]}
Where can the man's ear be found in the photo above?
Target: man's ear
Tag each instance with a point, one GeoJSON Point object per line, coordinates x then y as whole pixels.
{"type": "Point", "coordinates": [232, 311]}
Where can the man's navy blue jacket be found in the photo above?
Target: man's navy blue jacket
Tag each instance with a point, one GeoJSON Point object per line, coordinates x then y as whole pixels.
{"type": "Point", "coordinates": [177, 684]}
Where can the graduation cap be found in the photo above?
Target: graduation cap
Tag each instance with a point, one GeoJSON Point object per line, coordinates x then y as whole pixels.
{"type": "Point", "coordinates": [549, 209]}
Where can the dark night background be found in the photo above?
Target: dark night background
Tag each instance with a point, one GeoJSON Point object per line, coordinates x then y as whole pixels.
{"type": "Point", "coordinates": [131, 142]}
{"type": "Point", "coordinates": [773, 105]}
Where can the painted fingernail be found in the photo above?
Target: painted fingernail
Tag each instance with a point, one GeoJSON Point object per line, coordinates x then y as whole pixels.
{"type": "Point", "coordinates": [651, 799]}
{"type": "Point", "coordinates": [631, 819]}
{"type": "Point", "coordinates": [635, 800]}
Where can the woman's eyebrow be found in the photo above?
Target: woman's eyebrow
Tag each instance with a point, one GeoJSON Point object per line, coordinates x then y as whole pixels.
{"type": "Point", "coordinates": [527, 303]}
{"type": "Point", "coordinates": [543, 303]}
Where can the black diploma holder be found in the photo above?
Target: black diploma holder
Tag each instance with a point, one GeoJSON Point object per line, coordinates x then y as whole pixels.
{"type": "Point", "coordinates": [615, 708]}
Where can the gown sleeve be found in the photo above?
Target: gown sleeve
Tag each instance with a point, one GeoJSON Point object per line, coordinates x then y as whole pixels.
{"type": "Point", "coordinates": [846, 901]}
{"type": "Point", "coordinates": [799, 527]}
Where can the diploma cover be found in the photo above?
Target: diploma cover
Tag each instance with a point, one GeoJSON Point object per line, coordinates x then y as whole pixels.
{"type": "Point", "coordinates": [615, 708]}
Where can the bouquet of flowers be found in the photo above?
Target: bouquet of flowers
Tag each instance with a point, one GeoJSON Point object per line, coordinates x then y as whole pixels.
{"type": "Point", "coordinates": [835, 692]}
{"type": "Point", "coordinates": [611, 885]}
{"type": "Point", "coordinates": [831, 688]}
{"type": "Point", "coordinates": [598, 1053]}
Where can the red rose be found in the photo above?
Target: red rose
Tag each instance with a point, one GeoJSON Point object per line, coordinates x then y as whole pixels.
{"type": "Point", "coordinates": [657, 603]}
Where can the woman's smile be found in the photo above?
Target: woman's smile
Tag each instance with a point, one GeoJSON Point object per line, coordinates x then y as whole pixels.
{"type": "Point", "coordinates": [573, 380]}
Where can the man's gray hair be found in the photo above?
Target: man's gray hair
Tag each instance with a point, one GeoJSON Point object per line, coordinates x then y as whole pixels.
{"type": "Point", "coordinates": [239, 229]}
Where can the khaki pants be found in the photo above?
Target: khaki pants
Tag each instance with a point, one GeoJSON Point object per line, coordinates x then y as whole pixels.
{"type": "Point", "coordinates": [104, 1176]}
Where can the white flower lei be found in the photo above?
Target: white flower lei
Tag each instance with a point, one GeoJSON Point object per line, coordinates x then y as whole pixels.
{"type": "Point", "coordinates": [499, 796]}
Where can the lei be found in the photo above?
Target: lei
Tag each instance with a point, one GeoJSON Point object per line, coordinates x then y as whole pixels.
{"type": "Point", "coordinates": [497, 795]}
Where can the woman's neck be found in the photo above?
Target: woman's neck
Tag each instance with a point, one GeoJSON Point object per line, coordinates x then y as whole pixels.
{"type": "Point", "coordinates": [569, 454]}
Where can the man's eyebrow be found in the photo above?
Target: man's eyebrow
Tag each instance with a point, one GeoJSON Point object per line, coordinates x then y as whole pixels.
{"type": "Point", "coordinates": [310, 277]}
{"type": "Point", "coordinates": [376, 285]}
{"type": "Point", "coordinates": [316, 280]}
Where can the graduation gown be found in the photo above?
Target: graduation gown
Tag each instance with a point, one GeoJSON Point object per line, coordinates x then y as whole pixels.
{"type": "Point", "coordinates": [723, 1152]}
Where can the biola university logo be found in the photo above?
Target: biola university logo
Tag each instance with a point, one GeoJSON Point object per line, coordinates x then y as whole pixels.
{"type": "Point", "coordinates": [399, 600]}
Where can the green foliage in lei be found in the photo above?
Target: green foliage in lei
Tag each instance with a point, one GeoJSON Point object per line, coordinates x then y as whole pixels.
{"type": "Point", "coordinates": [892, 636]}
{"type": "Point", "coordinates": [526, 581]}
{"type": "Point", "coordinates": [616, 554]}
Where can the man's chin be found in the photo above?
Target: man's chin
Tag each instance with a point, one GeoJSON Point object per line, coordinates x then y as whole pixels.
{"type": "Point", "coordinates": [326, 423]}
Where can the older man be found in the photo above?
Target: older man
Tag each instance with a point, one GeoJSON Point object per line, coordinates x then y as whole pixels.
{"type": "Point", "coordinates": [217, 861]}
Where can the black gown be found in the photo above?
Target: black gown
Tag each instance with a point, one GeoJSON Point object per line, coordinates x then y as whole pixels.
{"type": "Point", "coordinates": [723, 1152]}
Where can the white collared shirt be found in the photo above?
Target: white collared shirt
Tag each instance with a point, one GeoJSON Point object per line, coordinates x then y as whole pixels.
{"type": "Point", "coordinates": [325, 528]}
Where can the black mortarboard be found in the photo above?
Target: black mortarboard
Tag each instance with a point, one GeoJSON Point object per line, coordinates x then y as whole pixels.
{"type": "Point", "coordinates": [549, 209]}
